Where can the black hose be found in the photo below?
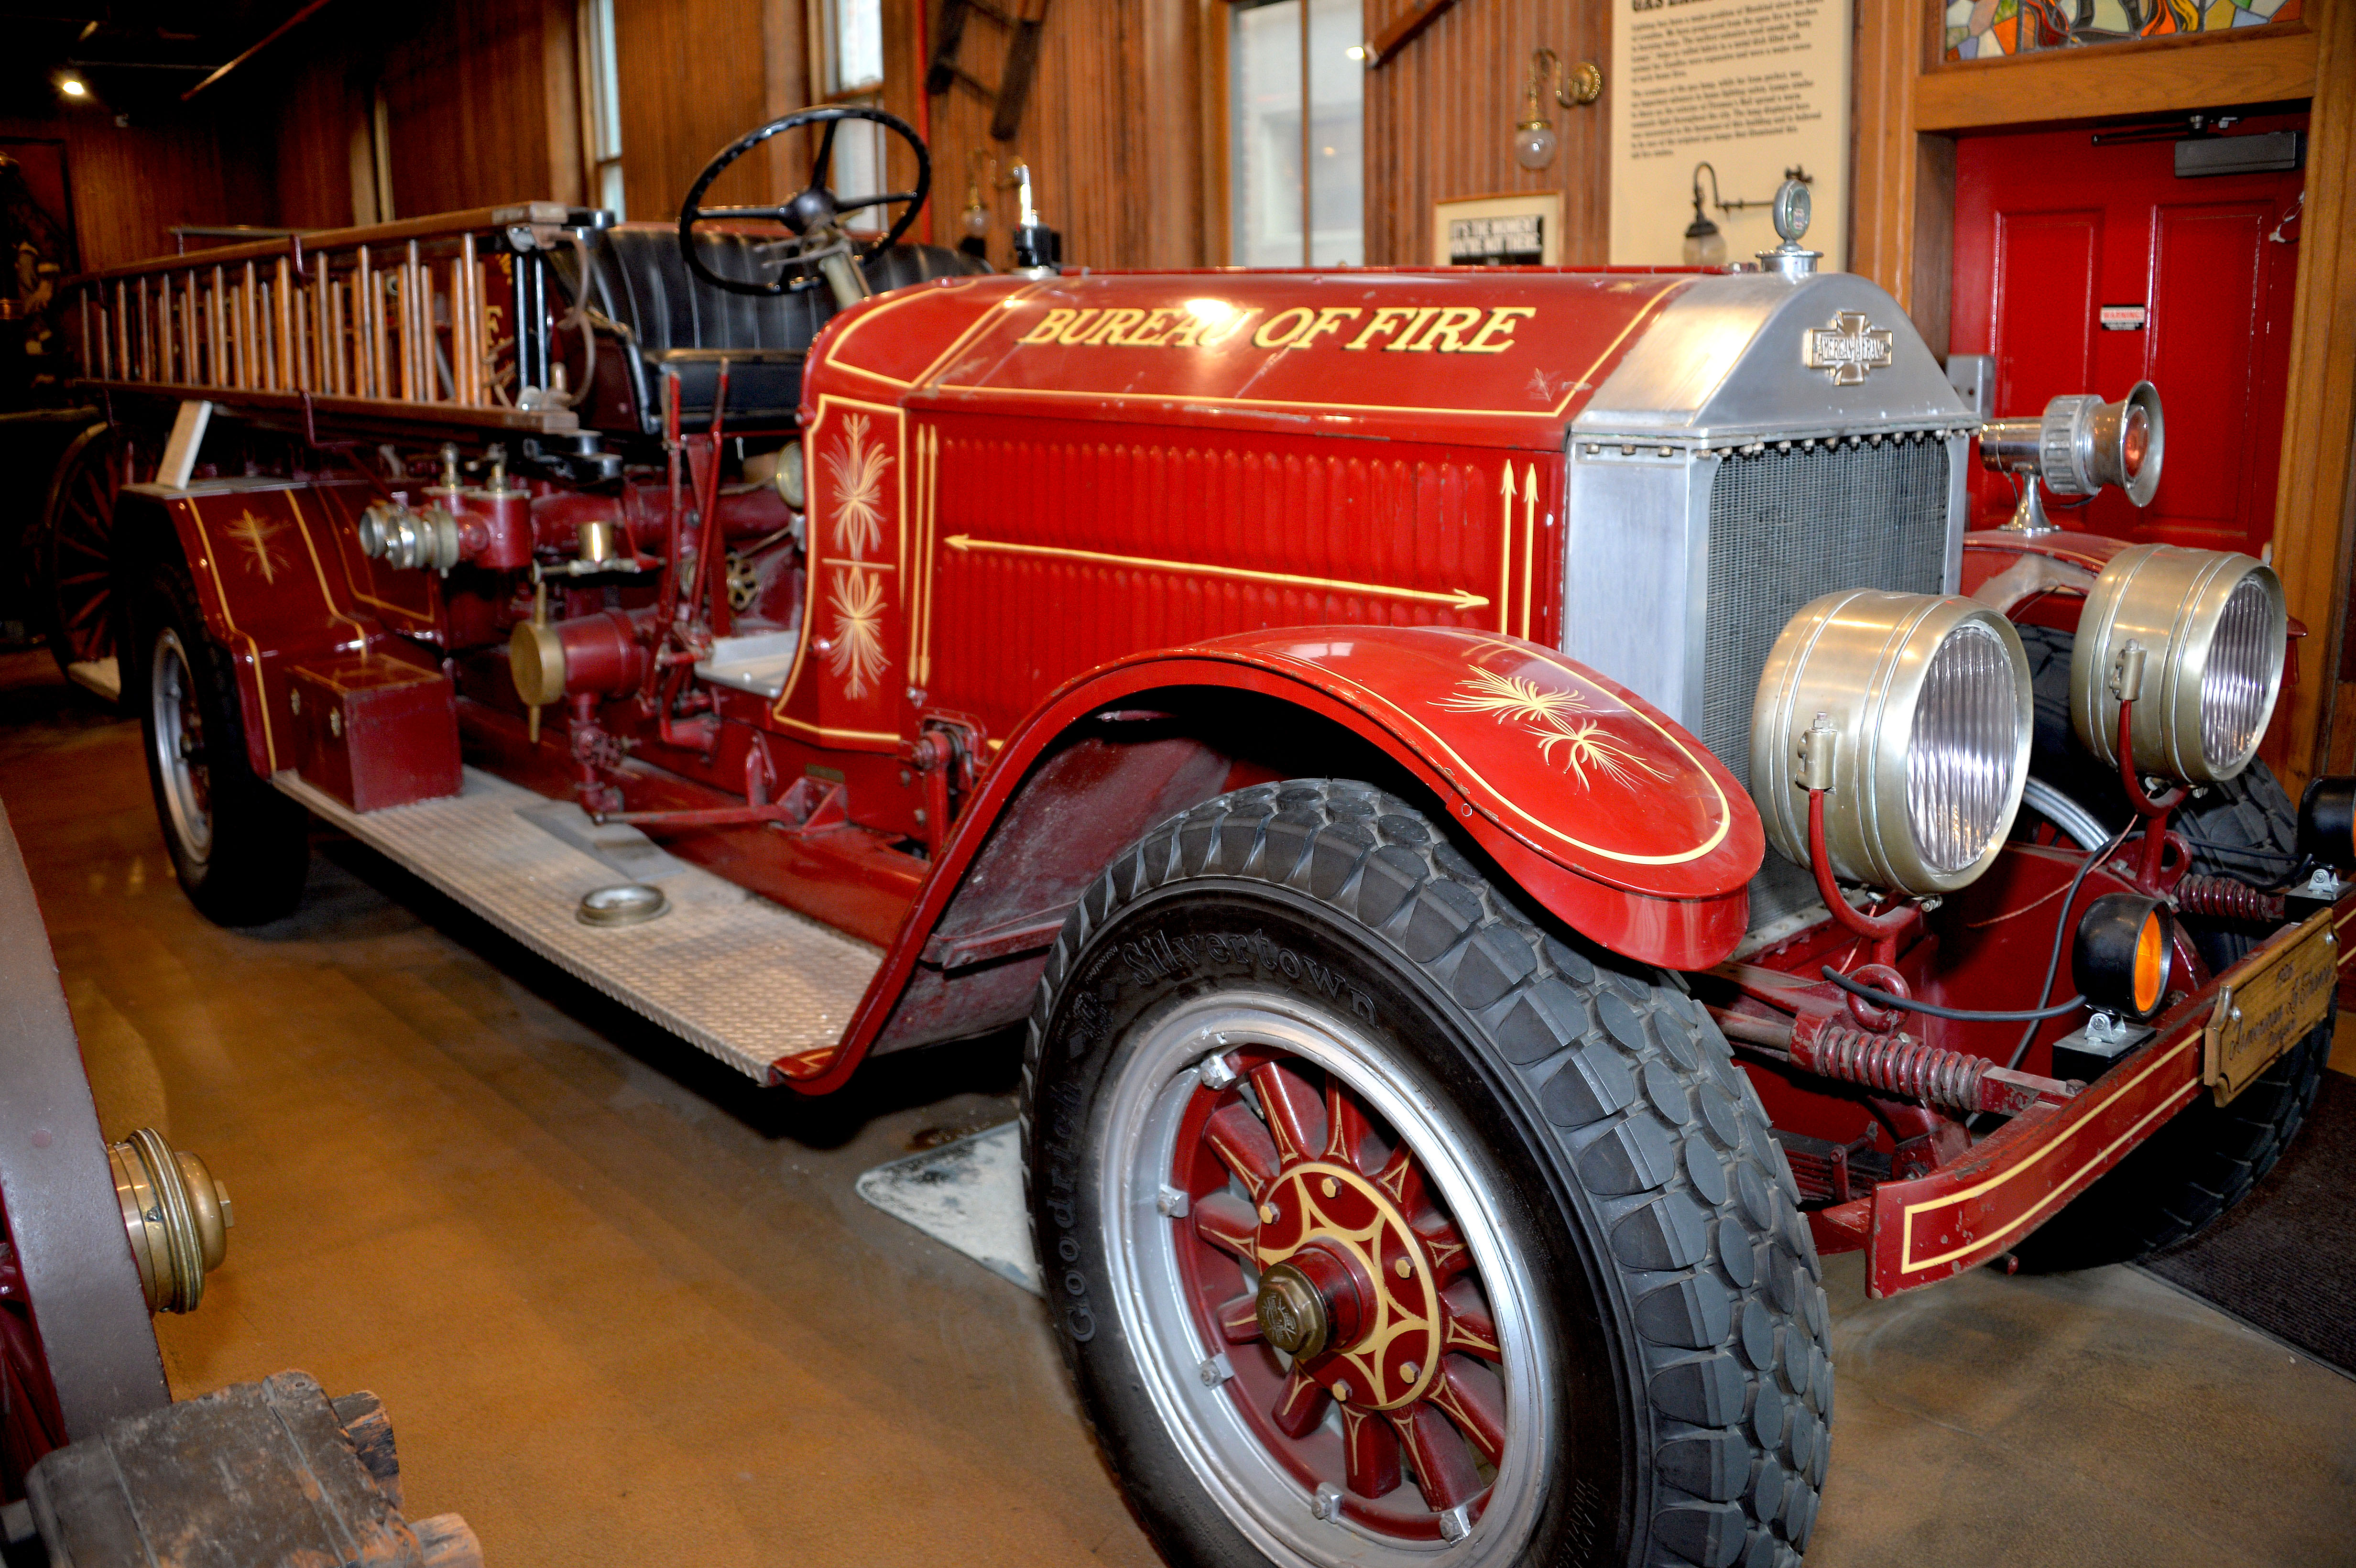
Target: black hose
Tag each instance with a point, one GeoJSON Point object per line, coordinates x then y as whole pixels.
{"type": "Point", "coordinates": [2061, 934]}
{"type": "Point", "coordinates": [1958, 1014]}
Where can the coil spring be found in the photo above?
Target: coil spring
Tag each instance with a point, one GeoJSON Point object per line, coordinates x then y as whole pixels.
{"type": "Point", "coordinates": [1898, 1064]}
{"type": "Point", "coordinates": [2223, 897]}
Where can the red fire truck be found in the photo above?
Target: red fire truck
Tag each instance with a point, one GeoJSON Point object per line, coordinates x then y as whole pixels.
{"type": "Point", "coordinates": [1516, 811]}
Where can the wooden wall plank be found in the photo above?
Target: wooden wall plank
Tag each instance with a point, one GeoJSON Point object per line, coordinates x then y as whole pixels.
{"type": "Point", "coordinates": [1441, 118]}
{"type": "Point", "coordinates": [1110, 132]}
{"type": "Point", "coordinates": [1886, 172]}
{"type": "Point", "coordinates": [693, 76]}
{"type": "Point", "coordinates": [481, 100]}
{"type": "Point", "coordinates": [468, 100]}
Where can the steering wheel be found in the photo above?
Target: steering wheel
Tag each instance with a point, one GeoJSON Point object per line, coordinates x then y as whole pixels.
{"type": "Point", "coordinates": [811, 215]}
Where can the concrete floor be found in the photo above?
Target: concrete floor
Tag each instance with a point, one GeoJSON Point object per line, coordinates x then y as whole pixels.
{"type": "Point", "coordinates": [624, 1306]}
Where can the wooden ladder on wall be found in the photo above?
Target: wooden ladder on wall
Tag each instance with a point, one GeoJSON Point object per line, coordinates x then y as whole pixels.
{"type": "Point", "coordinates": [1023, 21]}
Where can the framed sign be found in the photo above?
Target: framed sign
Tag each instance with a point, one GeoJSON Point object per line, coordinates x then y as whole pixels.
{"type": "Point", "coordinates": [1523, 229]}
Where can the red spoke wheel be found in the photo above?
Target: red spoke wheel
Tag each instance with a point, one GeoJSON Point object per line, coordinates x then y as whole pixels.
{"type": "Point", "coordinates": [72, 566]}
{"type": "Point", "coordinates": [1314, 1248]}
{"type": "Point", "coordinates": [1381, 1226]}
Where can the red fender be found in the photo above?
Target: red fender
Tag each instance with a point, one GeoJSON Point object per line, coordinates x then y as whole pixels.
{"type": "Point", "coordinates": [1592, 800]}
{"type": "Point", "coordinates": [266, 557]}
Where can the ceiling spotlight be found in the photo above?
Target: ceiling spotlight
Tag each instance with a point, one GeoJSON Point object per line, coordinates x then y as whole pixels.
{"type": "Point", "coordinates": [73, 87]}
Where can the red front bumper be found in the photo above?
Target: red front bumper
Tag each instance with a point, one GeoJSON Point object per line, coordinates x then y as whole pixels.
{"type": "Point", "coordinates": [1918, 1231]}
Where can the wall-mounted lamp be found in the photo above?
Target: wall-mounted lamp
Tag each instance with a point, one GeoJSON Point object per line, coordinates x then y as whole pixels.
{"type": "Point", "coordinates": [1534, 138]}
{"type": "Point", "coordinates": [1705, 246]}
{"type": "Point", "coordinates": [73, 86]}
{"type": "Point", "coordinates": [976, 217]}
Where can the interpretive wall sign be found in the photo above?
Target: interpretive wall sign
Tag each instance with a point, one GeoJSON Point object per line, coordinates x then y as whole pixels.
{"type": "Point", "coordinates": [1752, 87]}
{"type": "Point", "coordinates": [1522, 229]}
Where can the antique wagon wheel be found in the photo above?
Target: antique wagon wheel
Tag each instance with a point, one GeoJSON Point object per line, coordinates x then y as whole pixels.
{"type": "Point", "coordinates": [92, 1239]}
{"type": "Point", "coordinates": [71, 571]}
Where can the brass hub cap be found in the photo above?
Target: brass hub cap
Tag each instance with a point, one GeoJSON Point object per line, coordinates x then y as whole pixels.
{"type": "Point", "coordinates": [1291, 1313]}
{"type": "Point", "coordinates": [1326, 1220]}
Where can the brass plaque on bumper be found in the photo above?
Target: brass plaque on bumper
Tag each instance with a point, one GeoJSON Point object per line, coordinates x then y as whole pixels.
{"type": "Point", "coordinates": [2274, 1000]}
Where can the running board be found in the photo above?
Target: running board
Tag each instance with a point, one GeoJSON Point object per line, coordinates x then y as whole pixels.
{"type": "Point", "coordinates": [721, 968]}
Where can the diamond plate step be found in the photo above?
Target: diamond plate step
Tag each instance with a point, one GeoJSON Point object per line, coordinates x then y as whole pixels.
{"type": "Point", "coordinates": [723, 969]}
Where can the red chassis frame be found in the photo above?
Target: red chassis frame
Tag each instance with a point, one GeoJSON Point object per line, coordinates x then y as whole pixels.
{"type": "Point", "coordinates": [1979, 1205]}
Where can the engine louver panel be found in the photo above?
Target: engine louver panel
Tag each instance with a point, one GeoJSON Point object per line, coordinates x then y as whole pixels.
{"type": "Point", "coordinates": [1056, 555]}
{"type": "Point", "coordinates": [1788, 527]}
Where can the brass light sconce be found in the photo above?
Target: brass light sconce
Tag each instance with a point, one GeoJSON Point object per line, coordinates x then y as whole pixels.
{"type": "Point", "coordinates": [1534, 138]}
{"type": "Point", "coordinates": [1705, 246]}
{"type": "Point", "coordinates": [976, 217]}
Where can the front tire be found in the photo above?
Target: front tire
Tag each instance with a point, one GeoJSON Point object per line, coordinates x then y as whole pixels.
{"type": "Point", "coordinates": [1572, 1312]}
{"type": "Point", "coordinates": [240, 848]}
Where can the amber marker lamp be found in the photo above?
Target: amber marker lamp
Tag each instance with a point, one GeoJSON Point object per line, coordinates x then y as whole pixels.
{"type": "Point", "coordinates": [1534, 138]}
{"type": "Point", "coordinates": [2122, 957]}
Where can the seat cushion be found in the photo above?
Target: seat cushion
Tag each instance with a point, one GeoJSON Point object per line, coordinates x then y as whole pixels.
{"type": "Point", "coordinates": [670, 320]}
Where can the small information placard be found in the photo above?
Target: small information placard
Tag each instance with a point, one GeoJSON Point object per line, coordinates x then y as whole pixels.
{"type": "Point", "coordinates": [2122, 319]}
{"type": "Point", "coordinates": [1521, 230]}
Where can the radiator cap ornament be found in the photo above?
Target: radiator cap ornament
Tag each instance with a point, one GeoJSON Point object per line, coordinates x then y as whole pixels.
{"type": "Point", "coordinates": [1794, 207]}
{"type": "Point", "coordinates": [1848, 348]}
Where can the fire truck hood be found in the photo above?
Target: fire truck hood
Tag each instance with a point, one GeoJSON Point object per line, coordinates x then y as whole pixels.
{"type": "Point", "coordinates": [1514, 358]}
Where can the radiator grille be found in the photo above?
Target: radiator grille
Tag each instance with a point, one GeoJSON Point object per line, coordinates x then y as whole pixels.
{"type": "Point", "coordinates": [1787, 527]}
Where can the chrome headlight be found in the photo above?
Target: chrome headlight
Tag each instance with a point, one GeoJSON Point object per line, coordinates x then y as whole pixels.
{"type": "Point", "coordinates": [1924, 704]}
{"type": "Point", "coordinates": [2204, 629]}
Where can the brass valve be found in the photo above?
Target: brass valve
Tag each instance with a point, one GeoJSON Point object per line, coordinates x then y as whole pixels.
{"type": "Point", "coordinates": [177, 1215]}
{"type": "Point", "coordinates": [536, 659]}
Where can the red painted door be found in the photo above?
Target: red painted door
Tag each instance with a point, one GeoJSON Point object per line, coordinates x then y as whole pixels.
{"type": "Point", "coordinates": [2049, 229]}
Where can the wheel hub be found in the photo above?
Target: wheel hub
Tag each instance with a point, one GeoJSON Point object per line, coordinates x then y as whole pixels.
{"type": "Point", "coordinates": [1351, 1272]}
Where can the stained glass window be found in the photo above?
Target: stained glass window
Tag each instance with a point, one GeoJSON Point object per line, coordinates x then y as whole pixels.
{"type": "Point", "coordinates": [1980, 29]}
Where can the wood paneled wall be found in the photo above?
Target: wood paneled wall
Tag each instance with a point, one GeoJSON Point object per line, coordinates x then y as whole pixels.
{"type": "Point", "coordinates": [1113, 133]}
{"type": "Point", "coordinates": [694, 75]}
{"type": "Point", "coordinates": [131, 184]}
{"type": "Point", "coordinates": [1441, 118]}
{"type": "Point", "coordinates": [1111, 130]}
{"type": "Point", "coordinates": [481, 102]}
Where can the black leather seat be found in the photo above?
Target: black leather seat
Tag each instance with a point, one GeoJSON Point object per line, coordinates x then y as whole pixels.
{"type": "Point", "coordinates": [669, 320]}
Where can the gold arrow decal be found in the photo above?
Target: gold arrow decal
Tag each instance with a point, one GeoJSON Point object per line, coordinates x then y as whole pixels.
{"type": "Point", "coordinates": [1506, 550]}
{"type": "Point", "coordinates": [1455, 599]}
{"type": "Point", "coordinates": [1529, 537]}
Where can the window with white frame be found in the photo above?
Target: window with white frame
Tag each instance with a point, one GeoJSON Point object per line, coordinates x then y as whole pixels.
{"type": "Point", "coordinates": [847, 41]}
{"type": "Point", "coordinates": [1296, 134]}
{"type": "Point", "coordinates": [602, 81]}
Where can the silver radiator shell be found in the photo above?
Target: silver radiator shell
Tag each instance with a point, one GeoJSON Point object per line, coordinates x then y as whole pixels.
{"type": "Point", "coordinates": [1721, 376]}
{"type": "Point", "coordinates": [1720, 379]}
